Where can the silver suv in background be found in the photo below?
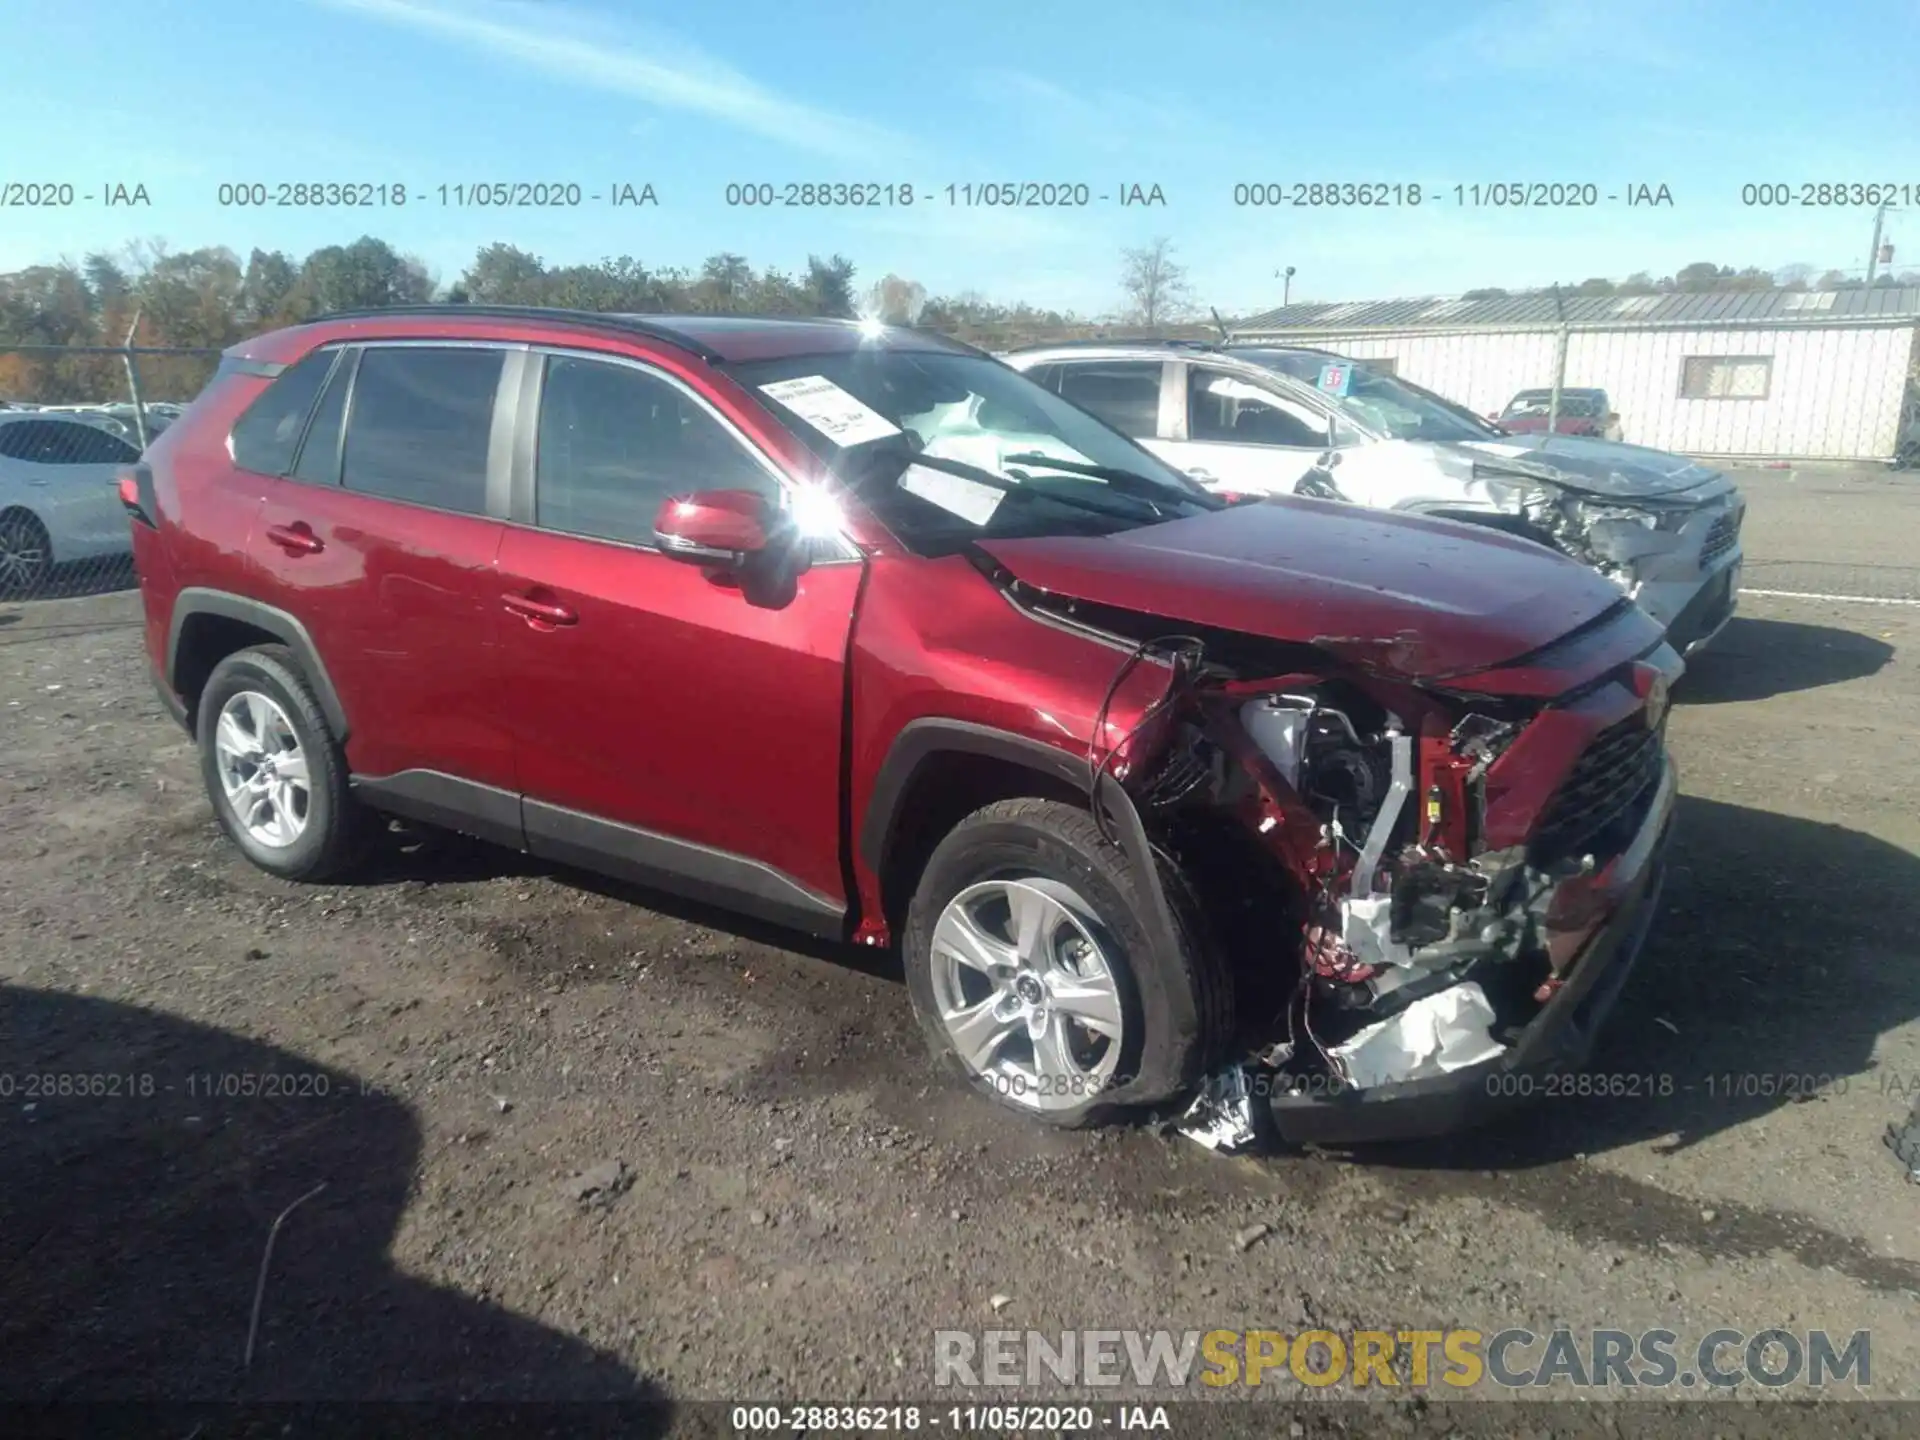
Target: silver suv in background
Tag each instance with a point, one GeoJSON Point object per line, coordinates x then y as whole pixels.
{"type": "Point", "coordinates": [1263, 419]}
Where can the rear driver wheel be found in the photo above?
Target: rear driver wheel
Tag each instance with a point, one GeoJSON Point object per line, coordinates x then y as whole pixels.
{"type": "Point", "coordinates": [273, 770]}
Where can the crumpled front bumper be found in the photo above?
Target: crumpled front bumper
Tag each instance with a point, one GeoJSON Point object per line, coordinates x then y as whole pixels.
{"type": "Point", "coordinates": [1689, 581]}
{"type": "Point", "coordinates": [1694, 609]}
{"type": "Point", "coordinates": [1559, 1038]}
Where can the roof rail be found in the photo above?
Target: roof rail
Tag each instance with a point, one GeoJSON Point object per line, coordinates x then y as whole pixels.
{"type": "Point", "coordinates": [1118, 340]}
{"type": "Point", "coordinates": [548, 315]}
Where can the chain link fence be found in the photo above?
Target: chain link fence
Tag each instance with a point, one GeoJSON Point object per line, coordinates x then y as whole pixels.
{"type": "Point", "coordinates": [72, 418]}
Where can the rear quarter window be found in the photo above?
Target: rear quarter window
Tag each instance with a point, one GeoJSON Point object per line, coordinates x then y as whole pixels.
{"type": "Point", "coordinates": [268, 431]}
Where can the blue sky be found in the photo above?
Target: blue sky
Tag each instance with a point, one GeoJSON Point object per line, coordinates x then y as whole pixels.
{"type": "Point", "coordinates": [1699, 95]}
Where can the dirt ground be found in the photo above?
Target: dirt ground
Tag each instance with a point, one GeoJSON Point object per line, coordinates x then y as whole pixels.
{"type": "Point", "coordinates": [544, 1138]}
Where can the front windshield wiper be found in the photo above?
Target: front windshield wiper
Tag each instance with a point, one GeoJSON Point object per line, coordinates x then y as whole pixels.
{"type": "Point", "coordinates": [1127, 482]}
{"type": "Point", "coordinates": [1014, 487]}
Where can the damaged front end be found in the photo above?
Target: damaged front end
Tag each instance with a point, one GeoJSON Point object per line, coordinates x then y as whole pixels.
{"type": "Point", "coordinates": [1461, 872]}
{"type": "Point", "coordinates": [1665, 531]}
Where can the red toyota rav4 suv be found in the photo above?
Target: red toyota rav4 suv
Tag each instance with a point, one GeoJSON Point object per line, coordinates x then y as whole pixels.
{"type": "Point", "coordinates": [859, 630]}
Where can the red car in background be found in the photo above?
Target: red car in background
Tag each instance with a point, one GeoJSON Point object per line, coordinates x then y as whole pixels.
{"type": "Point", "coordinates": [1582, 412]}
{"type": "Point", "coordinates": [858, 630]}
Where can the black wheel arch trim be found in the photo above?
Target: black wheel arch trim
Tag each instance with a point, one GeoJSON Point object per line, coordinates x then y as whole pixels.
{"type": "Point", "coordinates": [198, 600]}
{"type": "Point", "coordinates": [920, 741]}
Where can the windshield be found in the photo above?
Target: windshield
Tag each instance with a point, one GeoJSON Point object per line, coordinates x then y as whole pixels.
{"type": "Point", "coordinates": [946, 448]}
{"type": "Point", "coordinates": [1579, 404]}
{"type": "Point", "coordinates": [1388, 406]}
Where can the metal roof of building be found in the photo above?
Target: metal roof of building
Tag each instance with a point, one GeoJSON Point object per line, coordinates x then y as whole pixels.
{"type": "Point", "coordinates": [1720, 307]}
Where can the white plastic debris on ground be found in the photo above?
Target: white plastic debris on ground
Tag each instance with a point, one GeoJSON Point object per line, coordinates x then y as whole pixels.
{"type": "Point", "coordinates": [1221, 1116]}
{"type": "Point", "coordinates": [1433, 1036]}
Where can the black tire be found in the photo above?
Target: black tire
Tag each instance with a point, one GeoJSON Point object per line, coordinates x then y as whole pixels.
{"type": "Point", "coordinates": [335, 823]}
{"type": "Point", "coordinates": [26, 555]}
{"type": "Point", "coordinates": [1177, 1008]}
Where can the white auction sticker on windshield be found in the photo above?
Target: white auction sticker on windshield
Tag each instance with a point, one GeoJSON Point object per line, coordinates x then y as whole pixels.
{"type": "Point", "coordinates": [969, 499]}
{"type": "Point", "coordinates": [842, 418]}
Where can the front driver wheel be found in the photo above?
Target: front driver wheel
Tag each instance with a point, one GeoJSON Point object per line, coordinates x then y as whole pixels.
{"type": "Point", "coordinates": [1032, 970]}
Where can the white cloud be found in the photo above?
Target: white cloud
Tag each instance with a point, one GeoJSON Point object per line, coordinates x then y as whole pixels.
{"type": "Point", "coordinates": [1103, 122]}
{"type": "Point", "coordinates": [568, 44]}
{"type": "Point", "coordinates": [1559, 38]}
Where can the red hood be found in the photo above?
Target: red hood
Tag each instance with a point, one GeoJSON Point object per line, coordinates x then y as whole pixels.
{"type": "Point", "coordinates": [1420, 598]}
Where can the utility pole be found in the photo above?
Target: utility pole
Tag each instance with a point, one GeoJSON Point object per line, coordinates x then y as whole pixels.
{"type": "Point", "coordinates": [133, 384]}
{"type": "Point", "coordinates": [1286, 288]}
{"type": "Point", "coordinates": [1873, 255]}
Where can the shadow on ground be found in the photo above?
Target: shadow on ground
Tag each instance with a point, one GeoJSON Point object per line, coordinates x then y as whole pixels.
{"type": "Point", "coordinates": [1757, 659]}
{"type": "Point", "coordinates": [140, 1185]}
{"type": "Point", "coordinates": [407, 854]}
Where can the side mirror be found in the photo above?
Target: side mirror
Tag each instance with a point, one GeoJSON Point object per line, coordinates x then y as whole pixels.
{"type": "Point", "coordinates": [721, 528]}
{"type": "Point", "coordinates": [1613, 417]}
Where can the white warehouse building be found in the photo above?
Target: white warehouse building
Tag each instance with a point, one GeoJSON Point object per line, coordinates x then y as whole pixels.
{"type": "Point", "coordinates": [1734, 375]}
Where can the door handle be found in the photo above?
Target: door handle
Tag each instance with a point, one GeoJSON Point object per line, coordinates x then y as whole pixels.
{"type": "Point", "coordinates": [296, 539]}
{"type": "Point", "coordinates": [538, 612]}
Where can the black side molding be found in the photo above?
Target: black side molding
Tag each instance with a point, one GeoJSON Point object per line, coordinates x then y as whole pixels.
{"type": "Point", "coordinates": [198, 600]}
{"type": "Point", "coordinates": [626, 852]}
{"type": "Point", "coordinates": [720, 877]}
{"type": "Point", "coordinates": [447, 801]}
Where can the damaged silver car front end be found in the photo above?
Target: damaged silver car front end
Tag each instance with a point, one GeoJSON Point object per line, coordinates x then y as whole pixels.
{"type": "Point", "coordinates": [1666, 531]}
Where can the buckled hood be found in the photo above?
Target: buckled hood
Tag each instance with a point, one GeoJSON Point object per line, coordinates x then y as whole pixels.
{"type": "Point", "coordinates": [1418, 597]}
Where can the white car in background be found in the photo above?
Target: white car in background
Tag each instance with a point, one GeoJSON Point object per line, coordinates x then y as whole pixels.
{"type": "Point", "coordinates": [59, 497]}
{"type": "Point", "coordinates": [1274, 420]}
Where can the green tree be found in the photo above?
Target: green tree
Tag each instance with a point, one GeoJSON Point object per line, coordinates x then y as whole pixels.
{"type": "Point", "coordinates": [1699, 276]}
{"type": "Point", "coordinates": [896, 301]}
{"type": "Point", "coordinates": [266, 290]}
{"type": "Point", "coordinates": [365, 275]}
{"type": "Point", "coordinates": [504, 275]}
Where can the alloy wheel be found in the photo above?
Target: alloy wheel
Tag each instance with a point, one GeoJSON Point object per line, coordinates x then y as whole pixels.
{"type": "Point", "coordinates": [25, 556]}
{"type": "Point", "coordinates": [263, 768]}
{"type": "Point", "coordinates": [1027, 993]}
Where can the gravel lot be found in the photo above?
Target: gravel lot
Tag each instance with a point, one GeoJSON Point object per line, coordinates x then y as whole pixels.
{"type": "Point", "coordinates": [577, 1143]}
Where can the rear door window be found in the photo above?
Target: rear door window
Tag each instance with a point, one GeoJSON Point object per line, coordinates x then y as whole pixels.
{"type": "Point", "coordinates": [1226, 407]}
{"type": "Point", "coordinates": [1124, 393]}
{"type": "Point", "coordinates": [420, 425]}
